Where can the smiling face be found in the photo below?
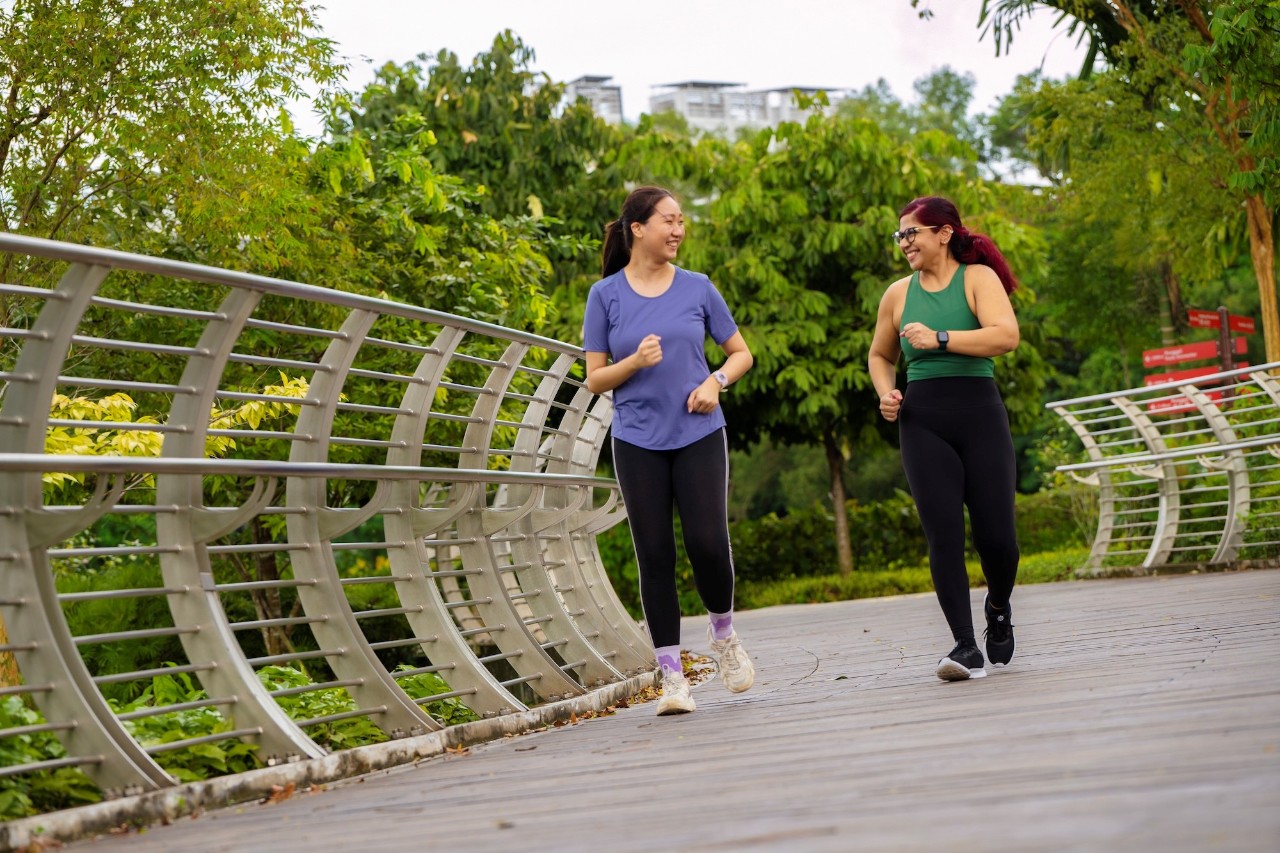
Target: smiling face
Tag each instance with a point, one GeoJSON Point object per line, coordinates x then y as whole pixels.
{"type": "Point", "coordinates": [661, 234]}
{"type": "Point", "coordinates": [920, 243]}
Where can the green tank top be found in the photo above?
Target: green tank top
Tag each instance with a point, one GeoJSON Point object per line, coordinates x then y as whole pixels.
{"type": "Point", "coordinates": [945, 310]}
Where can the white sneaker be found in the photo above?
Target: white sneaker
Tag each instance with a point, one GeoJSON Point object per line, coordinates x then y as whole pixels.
{"type": "Point", "coordinates": [676, 698]}
{"type": "Point", "coordinates": [736, 669]}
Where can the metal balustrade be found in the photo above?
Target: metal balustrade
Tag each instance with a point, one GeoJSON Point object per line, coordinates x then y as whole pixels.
{"type": "Point", "coordinates": [363, 491]}
{"type": "Point", "coordinates": [1186, 472]}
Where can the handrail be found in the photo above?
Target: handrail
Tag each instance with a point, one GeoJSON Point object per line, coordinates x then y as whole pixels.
{"type": "Point", "coordinates": [1144, 458]}
{"type": "Point", "coordinates": [1185, 471]}
{"type": "Point", "coordinates": [141, 465]}
{"type": "Point", "coordinates": [114, 259]}
{"type": "Point", "coordinates": [370, 493]}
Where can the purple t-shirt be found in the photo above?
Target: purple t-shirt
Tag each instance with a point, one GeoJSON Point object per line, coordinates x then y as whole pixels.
{"type": "Point", "coordinates": [650, 408]}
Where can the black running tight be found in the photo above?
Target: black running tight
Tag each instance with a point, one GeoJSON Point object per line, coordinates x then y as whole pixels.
{"type": "Point", "coordinates": [957, 451]}
{"type": "Point", "coordinates": [695, 480]}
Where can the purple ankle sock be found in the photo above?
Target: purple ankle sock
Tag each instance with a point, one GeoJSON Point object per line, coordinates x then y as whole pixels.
{"type": "Point", "coordinates": [669, 658]}
{"type": "Point", "coordinates": [721, 625]}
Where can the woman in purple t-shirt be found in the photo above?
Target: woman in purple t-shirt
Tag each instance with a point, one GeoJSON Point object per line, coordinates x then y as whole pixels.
{"type": "Point", "coordinates": [646, 323]}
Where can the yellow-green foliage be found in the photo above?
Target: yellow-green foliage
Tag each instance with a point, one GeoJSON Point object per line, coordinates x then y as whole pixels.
{"type": "Point", "coordinates": [116, 428]}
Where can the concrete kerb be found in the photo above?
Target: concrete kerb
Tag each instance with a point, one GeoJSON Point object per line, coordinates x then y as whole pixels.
{"type": "Point", "coordinates": [181, 800]}
{"type": "Point", "coordinates": [1175, 569]}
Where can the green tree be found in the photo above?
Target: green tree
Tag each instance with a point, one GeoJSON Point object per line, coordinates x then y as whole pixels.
{"type": "Point", "coordinates": [943, 99]}
{"type": "Point", "coordinates": [158, 112]}
{"type": "Point", "coordinates": [1137, 220]}
{"type": "Point", "coordinates": [1220, 65]}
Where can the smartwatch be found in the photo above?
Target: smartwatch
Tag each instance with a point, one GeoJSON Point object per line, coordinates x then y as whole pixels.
{"type": "Point", "coordinates": [722, 379]}
{"type": "Point", "coordinates": [943, 340]}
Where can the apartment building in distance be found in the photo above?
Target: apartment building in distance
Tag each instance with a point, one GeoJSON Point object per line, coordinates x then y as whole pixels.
{"type": "Point", "coordinates": [712, 107]}
{"type": "Point", "coordinates": [605, 99]}
{"type": "Point", "coordinates": [726, 108]}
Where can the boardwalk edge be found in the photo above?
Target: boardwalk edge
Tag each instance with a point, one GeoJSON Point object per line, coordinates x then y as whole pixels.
{"type": "Point", "coordinates": [141, 810]}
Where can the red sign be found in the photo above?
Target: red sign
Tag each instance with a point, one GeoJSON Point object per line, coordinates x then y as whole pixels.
{"type": "Point", "coordinates": [1173, 405]}
{"type": "Point", "coordinates": [1182, 375]}
{"type": "Point", "coordinates": [1201, 319]}
{"type": "Point", "coordinates": [1187, 352]}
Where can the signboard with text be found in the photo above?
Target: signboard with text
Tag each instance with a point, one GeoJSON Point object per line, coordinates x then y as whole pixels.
{"type": "Point", "coordinates": [1201, 319]}
{"type": "Point", "coordinates": [1188, 352]}
{"type": "Point", "coordinates": [1184, 375]}
{"type": "Point", "coordinates": [1172, 405]}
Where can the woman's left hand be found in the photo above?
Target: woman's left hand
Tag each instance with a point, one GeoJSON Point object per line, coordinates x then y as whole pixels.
{"type": "Point", "coordinates": [705, 397]}
{"type": "Point", "coordinates": [919, 336]}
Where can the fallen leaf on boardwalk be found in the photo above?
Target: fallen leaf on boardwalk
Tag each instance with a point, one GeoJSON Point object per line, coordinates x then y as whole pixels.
{"type": "Point", "coordinates": [457, 750]}
{"type": "Point", "coordinates": [280, 794]}
{"type": "Point", "coordinates": [573, 718]}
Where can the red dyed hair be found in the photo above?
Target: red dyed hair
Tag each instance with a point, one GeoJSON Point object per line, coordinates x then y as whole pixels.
{"type": "Point", "coordinates": [967, 247]}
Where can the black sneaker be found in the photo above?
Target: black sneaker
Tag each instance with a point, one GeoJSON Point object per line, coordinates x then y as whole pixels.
{"type": "Point", "coordinates": [965, 661]}
{"type": "Point", "coordinates": [999, 633]}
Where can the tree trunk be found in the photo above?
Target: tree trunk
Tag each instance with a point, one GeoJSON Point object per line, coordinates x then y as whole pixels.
{"type": "Point", "coordinates": [835, 462]}
{"type": "Point", "coordinates": [9, 675]}
{"type": "Point", "coordinates": [1173, 292]}
{"type": "Point", "coordinates": [1262, 248]}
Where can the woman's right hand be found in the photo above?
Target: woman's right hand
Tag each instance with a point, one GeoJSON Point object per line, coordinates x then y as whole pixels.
{"type": "Point", "coordinates": [649, 352]}
{"type": "Point", "coordinates": [890, 403]}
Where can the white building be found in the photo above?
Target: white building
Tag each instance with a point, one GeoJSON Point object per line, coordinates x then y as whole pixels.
{"type": "Point", "coordinates": [726, 108]}
{"type": "Point", "coordinates": [606, 100]}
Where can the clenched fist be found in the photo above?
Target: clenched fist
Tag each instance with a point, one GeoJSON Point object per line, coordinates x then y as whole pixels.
{"type": "Point", "coordinates": [649, 352]}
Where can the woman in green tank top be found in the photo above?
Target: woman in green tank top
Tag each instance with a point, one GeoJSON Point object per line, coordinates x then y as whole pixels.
{"type": "Point", "coordinates": [950, 318]}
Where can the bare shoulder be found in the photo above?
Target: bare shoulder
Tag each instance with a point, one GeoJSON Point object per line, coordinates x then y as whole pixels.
{"type": "Point", "coordinates": [896, 292]}
{"type": "Point", "coordinates": [980, 276]}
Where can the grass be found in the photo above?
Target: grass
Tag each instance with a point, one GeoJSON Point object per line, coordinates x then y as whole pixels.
{"type": "Point", "coordinates": [1044, 567]}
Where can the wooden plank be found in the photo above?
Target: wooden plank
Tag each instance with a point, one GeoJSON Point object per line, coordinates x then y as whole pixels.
{"type": "Point", "coordinates": [1137, 714]}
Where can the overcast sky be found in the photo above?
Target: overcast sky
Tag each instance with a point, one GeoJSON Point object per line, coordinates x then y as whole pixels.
{"type": "Point", "coordinates": [837, 44]}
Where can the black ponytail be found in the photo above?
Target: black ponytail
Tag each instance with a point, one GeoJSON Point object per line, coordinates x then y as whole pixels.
{"type": "Point", "coordinates": [617, 248]}
{"type": "Point", "coordinates": [617, 234]}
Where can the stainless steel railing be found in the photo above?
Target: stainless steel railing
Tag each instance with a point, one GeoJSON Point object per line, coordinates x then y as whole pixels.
{"type": "Point", "coordinates": [398, 506]}
{"type": "Point", "coordinates": [1186, 472]}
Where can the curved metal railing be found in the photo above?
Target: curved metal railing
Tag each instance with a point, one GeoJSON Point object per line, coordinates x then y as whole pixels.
{"type": "Point", "coordinates": [1186, 472]}
{"type": "Point", "coordinates": [330, 513]}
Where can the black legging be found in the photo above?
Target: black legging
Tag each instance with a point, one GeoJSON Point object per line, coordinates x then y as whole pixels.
{"type": "Point", "coordinates": [695, 480]}
{"type": "Point", "coordinates": [957, 451]}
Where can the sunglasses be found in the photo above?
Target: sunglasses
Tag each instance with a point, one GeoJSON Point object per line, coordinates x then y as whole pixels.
{"type": "Point", "coordinates": [910, 234]}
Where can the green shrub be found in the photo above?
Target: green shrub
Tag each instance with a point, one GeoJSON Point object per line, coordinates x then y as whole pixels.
{"type": "Point", "coordinates": [1050, 566]}
{"type": "Point", "coordinates": [339, 734]}
{"type": "Point", "coordinates": [1064, 517]}
{"type": "Point", "coordinates": [188, 763]}
{"type": "Point", "coordinates": [45, 790]}
{"type": "Point", "coordinates": [1035, 568]}
{"type": "Point", "coordinates": [832, 587]}
{"type": "Point", "coordinates": [450, 712]}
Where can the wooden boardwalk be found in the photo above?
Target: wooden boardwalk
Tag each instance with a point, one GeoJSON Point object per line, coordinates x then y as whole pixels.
{"type": "Point", "coordinates": [1139, 714]}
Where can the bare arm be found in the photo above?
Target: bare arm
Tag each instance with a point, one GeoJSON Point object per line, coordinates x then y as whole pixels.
{"type": "Point", "coordinates": [882, 361]}
{"type": "Point", "coordinates": [603, 376]}
{"type": "Point", "coordinates": [706, 396]}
